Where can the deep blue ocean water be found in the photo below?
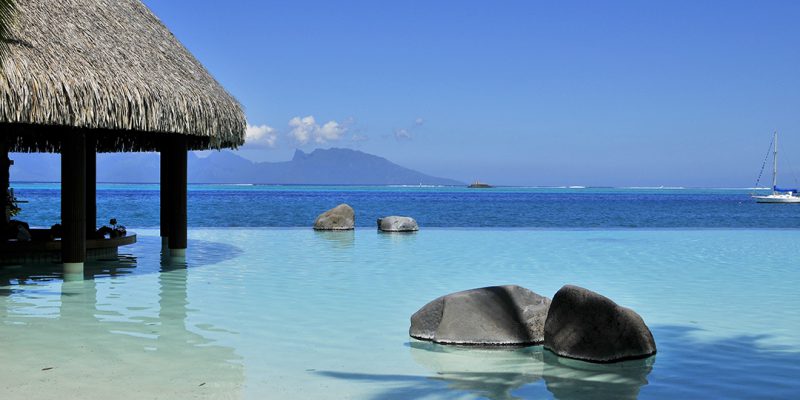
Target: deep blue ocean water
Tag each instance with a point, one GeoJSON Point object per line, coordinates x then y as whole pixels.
{"type": "Point", "coordinates": [298, 206]}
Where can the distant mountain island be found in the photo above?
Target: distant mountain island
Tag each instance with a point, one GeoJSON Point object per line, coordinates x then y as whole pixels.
{"type": "Point", "coordinates": [333, 166]}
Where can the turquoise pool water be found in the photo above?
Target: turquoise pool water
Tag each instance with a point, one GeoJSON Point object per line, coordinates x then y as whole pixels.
{"type": "Point", "coordinates": [292, 313]}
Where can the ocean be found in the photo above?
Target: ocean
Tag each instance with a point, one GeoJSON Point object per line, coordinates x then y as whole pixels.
{"type": "Point", "coordinates": [265, 307]}
{"type": "Point", "coordinates": [512, 207]}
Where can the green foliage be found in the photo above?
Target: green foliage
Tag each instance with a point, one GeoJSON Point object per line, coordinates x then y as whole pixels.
{"type": "Point", "coordinates": [12, 206]}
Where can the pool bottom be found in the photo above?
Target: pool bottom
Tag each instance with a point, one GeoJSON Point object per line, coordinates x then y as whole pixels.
{"type": "Point", "coordinates": [299, 314]}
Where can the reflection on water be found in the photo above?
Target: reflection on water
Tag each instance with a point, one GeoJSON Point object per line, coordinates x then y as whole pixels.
{"type": "Point", "coordinates": [505, 374]}
{"type": "Point", "coordinates": [337, 239]}
{"type": "Point", "coordinates": [493, 374]}
{"type": "Point", "coordinates": [398, 237]}
{"type": "Point", "coordinates": [573, 379]}
{"type": "Point", "coordinates": [201, 253]}
{"type": "Point", "coordinates": [137, 340]}
{"type": "Point", "coordinates": [497, 374]}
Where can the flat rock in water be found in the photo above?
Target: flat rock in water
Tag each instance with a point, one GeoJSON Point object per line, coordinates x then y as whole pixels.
{"type": "Point", "coordinates": [339, 218]}
{"type": "Point", "coordinates": [584, 325]}
{"type": "Point", "coordinates": [490, 316]}
{"type": "Point", "coordinates": [397, 224]}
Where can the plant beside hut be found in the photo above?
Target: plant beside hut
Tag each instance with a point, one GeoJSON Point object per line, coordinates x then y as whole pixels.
{"type": "Point", "coordinates": [17, 230]}
{"type": "Point", "coordinates": [115, 230]}
{"type": "Point", "coordinates": [12, 205]}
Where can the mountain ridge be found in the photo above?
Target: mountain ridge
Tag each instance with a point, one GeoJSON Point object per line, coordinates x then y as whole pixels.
{"type": "Point", "coordinates": [320, 166]}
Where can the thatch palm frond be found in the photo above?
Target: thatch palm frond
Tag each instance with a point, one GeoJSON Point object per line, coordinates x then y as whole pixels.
{"type": "Point", "coordinates": [7, 8]}
{"type": "Point", "coordinates": [110, 66]}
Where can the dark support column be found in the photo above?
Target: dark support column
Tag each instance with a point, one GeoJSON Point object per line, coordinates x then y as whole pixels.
{"type": "Point", "coordinates": [177, 201]}
{"type": "Point", "coordinates": [4, 182]}
{"type": "Point", "coordinates": [91, 184]}
{"type": "Point", "coordinates": [73, 202]}
{"type": "Point", "coordinates": [165, 192]}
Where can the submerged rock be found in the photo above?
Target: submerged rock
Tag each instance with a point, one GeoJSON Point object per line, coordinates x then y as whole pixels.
{"type": "Point", "coordinates": [490, 316]}
{"type": "Point", "coordinates": [584, 325]}
{"type": "Point", "coordinates": [339, 218]}
{"type": "Point", "coordinates": [397, 224]}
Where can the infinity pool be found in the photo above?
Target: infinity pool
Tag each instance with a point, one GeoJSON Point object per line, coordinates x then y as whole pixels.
{"type": "Point", "coordinates": [293, 313]}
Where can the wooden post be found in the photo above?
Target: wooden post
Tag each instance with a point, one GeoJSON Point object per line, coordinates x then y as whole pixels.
{"type": "Point", "coordinates": [73, 201]}
{"type": "Point", "coordinates": [164, 192]}
{"type": "Point", "coordinates": [5, 164]}
{"type": "Point", "coordinates": [91, 185]}
{"type": "Point", "coordinates": [177, 202]}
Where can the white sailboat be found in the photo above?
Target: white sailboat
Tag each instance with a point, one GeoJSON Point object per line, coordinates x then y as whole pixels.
{"type": "Point", "coordinates": [778, 195]}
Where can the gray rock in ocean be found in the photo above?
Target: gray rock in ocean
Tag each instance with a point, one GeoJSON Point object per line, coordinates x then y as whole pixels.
{"type": "Point", "coordinates": [397, 224]}
{"type": "Point", "coordinates": [339, 218]}
{"type": "Point", "coordinates": [584, 325]}
{"type": "Point", "coordinates": [490, 316]}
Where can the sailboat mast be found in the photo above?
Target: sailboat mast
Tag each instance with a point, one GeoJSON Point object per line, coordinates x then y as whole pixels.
{"type": "Point", "coordinates": [775, 163]}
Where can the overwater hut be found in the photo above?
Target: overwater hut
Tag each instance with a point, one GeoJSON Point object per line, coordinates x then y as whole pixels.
{"type": "Point", "coordinates": [79, 77]}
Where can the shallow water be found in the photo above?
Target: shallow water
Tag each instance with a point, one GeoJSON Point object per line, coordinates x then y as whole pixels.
{"type": "Point", "coordinates": [293, 313]}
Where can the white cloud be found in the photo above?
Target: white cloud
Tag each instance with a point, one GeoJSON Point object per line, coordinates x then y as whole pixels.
{"type": "Point", "coordinates": [409, 133]}
{"type": "Point", "coordinates": [402, 134]}
{"type": "Point", "coordinates": [356, 138]}
{"type": "Point", "coordinates": [306, 129]}
{"type": "Point", "coordinates": [301, 128]}
{"type": "Point", "coordinates": [330, 131]}
{"type": "Point", "coordinates": [261, 135]}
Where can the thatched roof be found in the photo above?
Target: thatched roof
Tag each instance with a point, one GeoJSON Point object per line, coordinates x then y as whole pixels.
{"type": "Point", "coordinates": [110, 66]}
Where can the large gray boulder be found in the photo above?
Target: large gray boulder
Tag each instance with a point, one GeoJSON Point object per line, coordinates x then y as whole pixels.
{"type": "Point", "coordinates": [339, 218]}
{"type": "Point", "coordinates": [584, 325]}
{"type": "Point", "coordinates": [490, 316]}
{"type": "Point", "coordinates": [397, 224]}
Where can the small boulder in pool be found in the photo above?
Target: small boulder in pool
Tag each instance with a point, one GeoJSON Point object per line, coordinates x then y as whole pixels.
{"type": "Point", "coordinates": [397, 224]}
{"type": "Point", "coordinates": [339, 218]}
{"type": "Point", "coordinates": [587, 326]}
{"type": "Point", "coordinates": [507, 315]}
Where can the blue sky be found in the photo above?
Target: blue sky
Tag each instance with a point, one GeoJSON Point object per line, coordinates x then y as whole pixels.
{"type": "Point", "coordinates": [624, 93]}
